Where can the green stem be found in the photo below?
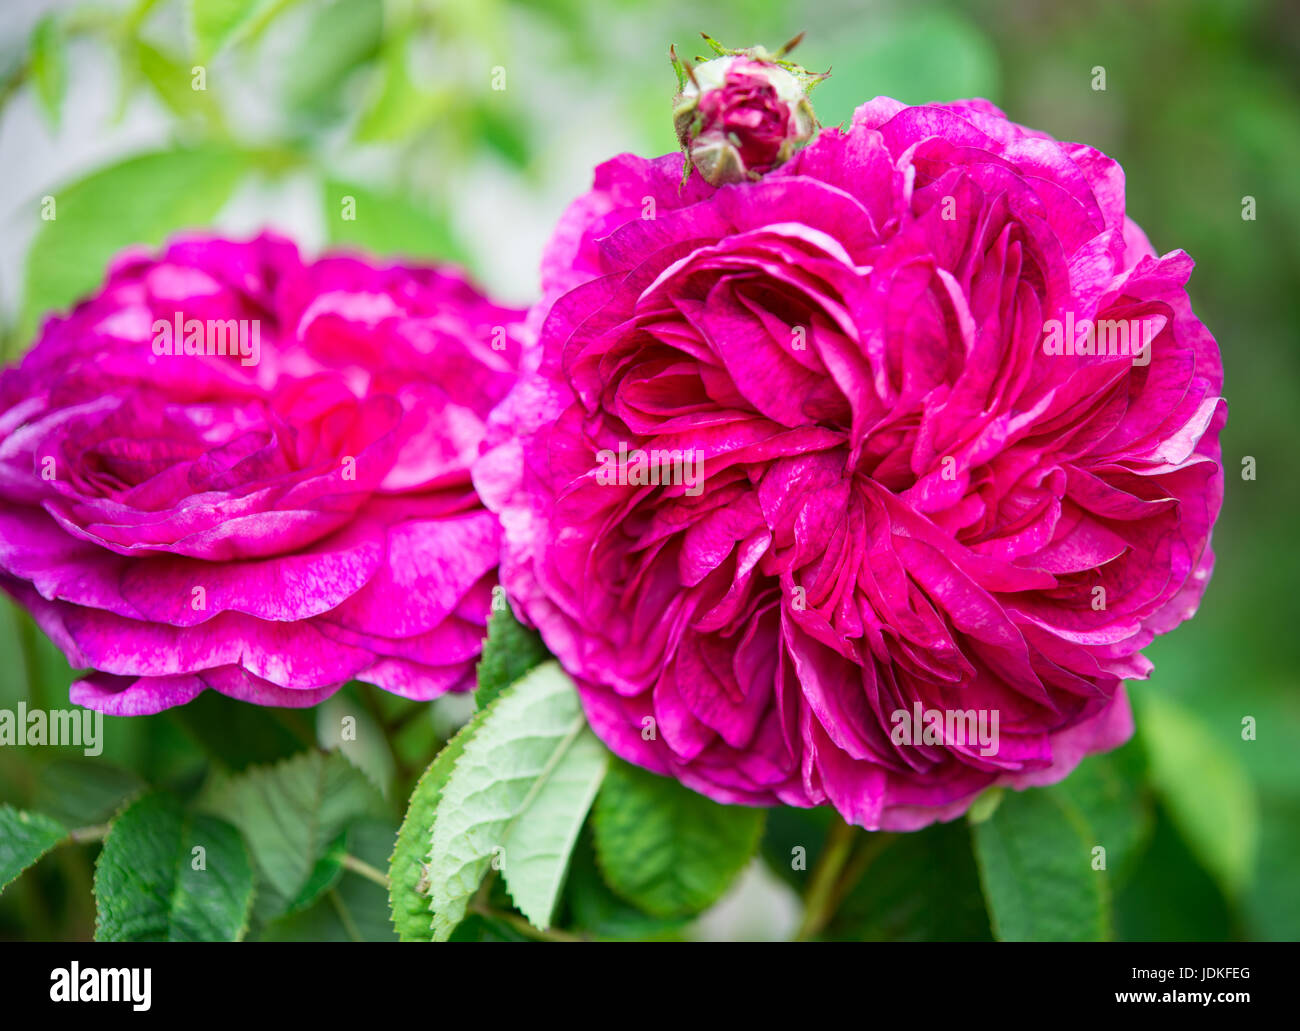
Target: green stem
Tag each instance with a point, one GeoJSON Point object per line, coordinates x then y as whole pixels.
{"type": "Point", "coordinates": [826, 874]}
{"type": "Point", "coordinates": [86, 835]}
{"type": "Point", "coordinates": [876, 843]}
{"type": "Point", "coordinates": [523, 926]}
{"type": "Point", "coordinates": [360, 866]}
{"type": "Point", "coordinates": [345, 916]}
{"type": "Point", "coordinates": [837, 874]}
{"type": "Point", "coordinates": [481, 905]}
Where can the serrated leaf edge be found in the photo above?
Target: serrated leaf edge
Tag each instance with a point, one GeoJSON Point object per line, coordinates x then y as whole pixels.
{"type": "Point", "coordinates": [506, 692]}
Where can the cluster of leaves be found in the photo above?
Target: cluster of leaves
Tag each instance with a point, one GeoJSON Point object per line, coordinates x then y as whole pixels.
{"type": "Point", "coordinates": [524, 827]}
{"type": "Point", "coordinates": [265, 850]}
{"type": "Point", "coordinates": [496, 841]}
{"type": "Point", "coordinates": [512, 795]}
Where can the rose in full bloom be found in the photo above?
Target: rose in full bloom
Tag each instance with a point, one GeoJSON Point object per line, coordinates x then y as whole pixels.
{"type": "Point", "coordinates": [821, 489]}
{"type": "Point", "coordinates": [233, 469]}
{"type": "Point", "coordinates": [739, 116]}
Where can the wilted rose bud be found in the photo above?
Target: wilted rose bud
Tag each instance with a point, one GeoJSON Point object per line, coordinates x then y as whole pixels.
{"type": "Point", "coordinates": [742, 114]}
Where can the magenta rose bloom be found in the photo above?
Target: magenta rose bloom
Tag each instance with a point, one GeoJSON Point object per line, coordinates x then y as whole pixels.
{"type": "Point", "coordinates": [233, 469]}
{"type": "Point", "coordinates": [822, 490]}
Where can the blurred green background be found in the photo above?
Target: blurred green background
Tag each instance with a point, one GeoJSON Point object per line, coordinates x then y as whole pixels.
{"type": "Point", "coordinates": [393, 103]}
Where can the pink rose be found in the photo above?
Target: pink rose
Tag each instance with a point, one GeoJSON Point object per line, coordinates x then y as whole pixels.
{"type": "Point", "coordinates": [235, 470]}
{"type": "Point", "coordinates": [928, 535]}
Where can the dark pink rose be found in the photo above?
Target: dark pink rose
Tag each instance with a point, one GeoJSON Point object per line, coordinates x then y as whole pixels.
{"type": "Point", "coordinates": [233, 469]}
{"type": "Point", "coordinates": [919, 502]}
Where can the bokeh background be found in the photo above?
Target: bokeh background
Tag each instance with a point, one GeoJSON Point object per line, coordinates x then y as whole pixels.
{"type": "Point", "coordinates": [392, 102]}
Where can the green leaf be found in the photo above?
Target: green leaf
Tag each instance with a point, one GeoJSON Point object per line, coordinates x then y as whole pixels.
{"type": "Point", "coordinates": [352, 908]}
{"type": "Point", "coordinates": [49, 66]}
{"type": "Point", "coordinates": [504, 132]}
{"type": "Point", "coordinates": [172, 80]}
{"type": "Point", "coordinates": [520, 789]}
{"type": "Point", "coordinates": [510, 651]}
{"type": "Point", "coordinates": [665, 848]}
{"type": "Point", "coordinates": [78, 792]}
{"type": "Point", "coordinates": [1273, 903]}
{"type": "Point", "coordinates": [148, 889]}
{"type": "Point", "coordinates": [382, 224]}
{"type": "Point", "coordinates": [343, 722]}
{"type": "Point", "coordinates": [1035, 862]}
{"type": "Point", "coordinates": [1169, 896]}
{"type": "Point", "coordinates": [217, 23]}
{"type": "Point", "coordinates": [541, 840]}
{"type": "Point", "coordinates": [324, 875]}
{"type": "Point", "coordinates": [1111, 793]}
{"type": "Point", "coordinates": [342, 35]}
{"type": "Point", "coordinates": [290, 813]}
{"type": "Point", "coordinates": [141, 200]}
{"type": "Point", "coordinates": [921, 886]}
{"type": "Point", "coordinates": [235, 734]}
{"type": "Point", "coordinates": [599, 913]}
{"type": "Point", "coordinates": [408, 898]}
{"type": "Point", "coordinates": [270, 906]}
{"type": "Point", "coordinates": [24, 838]}
{"type": "Point", "coordinates": [398, 108]}
{"type": "Point", "coordinates": [1207, 792]}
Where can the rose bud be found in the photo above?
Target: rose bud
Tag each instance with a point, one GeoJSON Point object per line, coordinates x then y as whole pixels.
{"type": "Point", "coordinates": [743, 113]}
